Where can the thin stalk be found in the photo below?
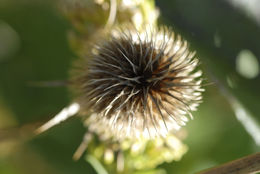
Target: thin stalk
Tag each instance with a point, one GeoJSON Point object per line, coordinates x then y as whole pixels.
{"type": "Point", "coordinates": [246, 165]}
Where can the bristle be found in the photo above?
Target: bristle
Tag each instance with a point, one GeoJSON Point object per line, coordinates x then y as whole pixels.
{"type": "Point", "coordinates": [140, 84]}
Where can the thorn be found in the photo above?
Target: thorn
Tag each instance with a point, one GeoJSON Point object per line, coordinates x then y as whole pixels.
{"type": "Point", "coordinates": [83, 146]}
{"type": "Point", "coordinates": [65, 113]}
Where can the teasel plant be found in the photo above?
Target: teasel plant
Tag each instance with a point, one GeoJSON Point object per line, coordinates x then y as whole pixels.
{"type": "Point", "coordinates": [134, 85]}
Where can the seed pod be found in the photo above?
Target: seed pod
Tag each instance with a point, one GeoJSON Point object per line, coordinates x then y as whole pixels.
{"type": "Point", "coordinates": [139, 84]}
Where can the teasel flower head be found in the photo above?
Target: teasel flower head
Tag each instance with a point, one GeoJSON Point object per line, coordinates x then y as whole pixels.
{"type": "Point", "coordinates": [139, 84]}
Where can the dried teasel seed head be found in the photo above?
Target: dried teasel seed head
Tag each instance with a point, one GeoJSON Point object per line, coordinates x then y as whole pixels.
{"type": "Point", "coordinates": [139, 84]}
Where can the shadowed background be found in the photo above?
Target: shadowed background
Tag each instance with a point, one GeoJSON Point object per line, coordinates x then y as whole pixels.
{"type": "Point", "coordinates": [34, 47]}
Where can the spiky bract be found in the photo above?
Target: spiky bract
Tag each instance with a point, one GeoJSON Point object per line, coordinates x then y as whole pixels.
{"type": "Point", "coordinates": [140, 84]}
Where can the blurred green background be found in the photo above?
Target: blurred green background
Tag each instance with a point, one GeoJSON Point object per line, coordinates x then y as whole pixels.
{"type": "Point", "coordinates": [34, 47]}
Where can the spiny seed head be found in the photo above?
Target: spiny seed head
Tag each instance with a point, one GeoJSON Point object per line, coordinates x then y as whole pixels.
{"type": "Point", "coordinates": [140, 84]}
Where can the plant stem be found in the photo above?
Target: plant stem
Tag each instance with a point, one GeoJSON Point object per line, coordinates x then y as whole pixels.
{"type": "Point", "coordinates": [246, 165]}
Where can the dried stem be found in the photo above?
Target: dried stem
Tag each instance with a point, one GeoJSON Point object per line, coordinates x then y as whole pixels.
{"type": "Point", "coordinates": [246, 165]}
